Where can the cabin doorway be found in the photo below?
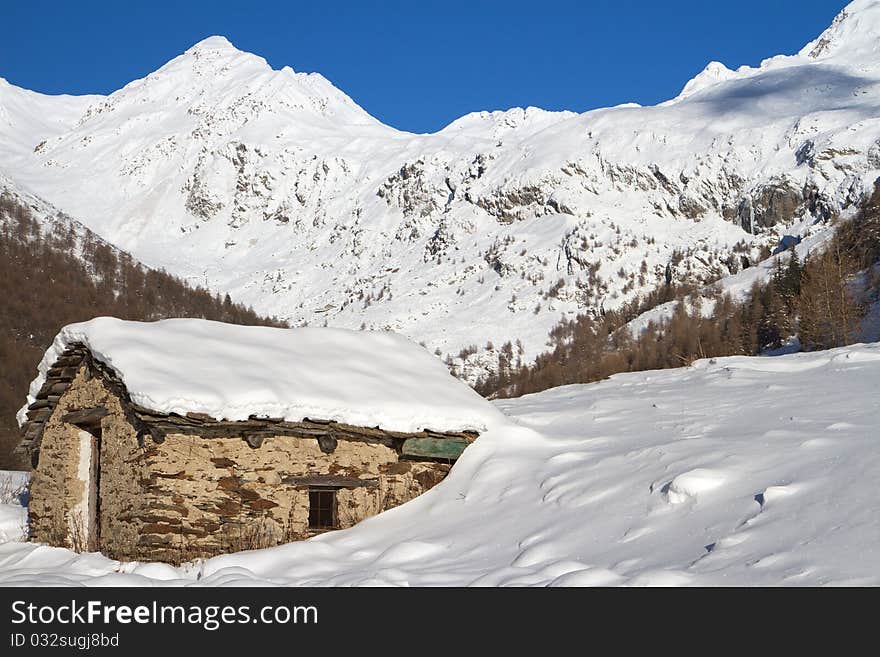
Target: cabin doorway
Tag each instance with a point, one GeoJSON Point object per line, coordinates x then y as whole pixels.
{"type": "Point", "coordinates": [84, 527]}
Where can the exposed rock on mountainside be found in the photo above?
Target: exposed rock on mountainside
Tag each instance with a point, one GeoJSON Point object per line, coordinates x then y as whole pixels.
{"type": "Point", "coordinates": [276, 187]}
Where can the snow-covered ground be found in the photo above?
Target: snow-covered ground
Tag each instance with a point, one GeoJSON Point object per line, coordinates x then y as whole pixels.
{"type": "Point", "coordinates": [734, 471]}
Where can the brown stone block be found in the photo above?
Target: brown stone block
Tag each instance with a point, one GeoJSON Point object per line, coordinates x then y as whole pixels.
{"type": "Point", "coordinates": [180, 508]}
{"type": "Point", "coordinates": [172, 475]}
{"type": "Point", "coordinates": [228, 483]}
{"type": "Point", "coordinates": [203, 417]}
{"type": "Point", "coordinates": [400, 467]}
{"type": "Point", "coordinates": [228, 507]}
{"type": "Point", "coordinates": [262, 504]}
{"type": "Point", "coordinates": [247, 494]}
{"type": "Point", "coordinates": [429, 478]}
{"type": "Point", "coordinates": [160, 528]}
{"type": "Point", "coordinates": [148, 540]}
{"type": "Point", "coordinates": [157, 518]}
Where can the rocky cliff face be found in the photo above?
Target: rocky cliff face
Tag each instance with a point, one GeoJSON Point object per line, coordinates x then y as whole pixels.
{"type": "Point", "coordinates": [278, 188]}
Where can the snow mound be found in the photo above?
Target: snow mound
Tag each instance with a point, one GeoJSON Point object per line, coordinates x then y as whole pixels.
{"type": "Point", "coordinates": [232, 372]}
{"type": "Point", "coordinates": [690, 484]}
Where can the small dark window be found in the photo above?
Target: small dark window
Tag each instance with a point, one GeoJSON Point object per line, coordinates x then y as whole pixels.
{"type": "Point", "coordinates": [322, 509]}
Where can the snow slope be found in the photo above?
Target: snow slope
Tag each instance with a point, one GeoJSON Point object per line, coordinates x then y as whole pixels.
{"type": "Point", "coordinates": [276, 187]}
{"type": "Point", "coordinates": [232, 372]}
{"type": "Point", "coordinates": [724, 473]}
{"type": "Point", "coordinates": [52, 222]}
{"type": "Point", "coordinates": [22, 128]}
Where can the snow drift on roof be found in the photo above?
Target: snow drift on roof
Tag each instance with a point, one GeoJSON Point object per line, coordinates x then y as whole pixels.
{"type": "Point", "coordinates": [231, 372]}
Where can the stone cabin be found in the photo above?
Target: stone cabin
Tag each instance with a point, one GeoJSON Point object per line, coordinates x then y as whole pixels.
{"type": "Point", "coordinates": [142, 451]}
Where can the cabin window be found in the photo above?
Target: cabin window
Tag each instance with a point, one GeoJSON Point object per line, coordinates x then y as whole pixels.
{"type": "Point", "coordinates": [322, 508]}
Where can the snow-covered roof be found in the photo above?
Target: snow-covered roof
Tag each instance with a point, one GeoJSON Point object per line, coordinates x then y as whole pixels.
{"type": "Point", "coordinates": [373, 379]}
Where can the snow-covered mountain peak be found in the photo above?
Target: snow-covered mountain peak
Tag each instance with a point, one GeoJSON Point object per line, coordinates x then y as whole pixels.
{"type": "Point", "coordinates": [854, 31]}
{"type": "Point", "coordinates": [713, 73]}
{"type": "Point", "coordinates": [215, 43]}
{"type": "Point", "coordinates": [216, 55]}
{"type": "Point", "coordinates": [215, 89]}
{"type": "Point", "coordinates": [211, 64]}
{"type": "Point", "coordinates": [852, 41]}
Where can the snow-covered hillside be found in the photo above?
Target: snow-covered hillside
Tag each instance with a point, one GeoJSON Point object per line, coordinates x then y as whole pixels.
{"type": "Point", "coordinates": [50, 220]}
{"type": "Point", "coordinates": [727, 472]}
{"type": "Point", "coordinates": [277, 187]}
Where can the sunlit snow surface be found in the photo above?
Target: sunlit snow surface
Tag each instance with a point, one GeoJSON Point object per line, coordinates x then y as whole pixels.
{"type": "Point", "coordinates": [736, 471]}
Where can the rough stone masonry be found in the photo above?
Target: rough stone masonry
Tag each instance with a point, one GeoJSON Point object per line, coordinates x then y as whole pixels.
{"type": "Point", "coordinates": [135, 484]}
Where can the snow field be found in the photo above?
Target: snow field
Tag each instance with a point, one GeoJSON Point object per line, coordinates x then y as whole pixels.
{"type": "Point", "coordinates": [735, 471]}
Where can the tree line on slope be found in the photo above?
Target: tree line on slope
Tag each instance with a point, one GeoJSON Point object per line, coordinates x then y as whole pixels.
{"type": "Point", "coordinates": [44, 286]}
{"type": "Point", "coordinates": [820, 302]}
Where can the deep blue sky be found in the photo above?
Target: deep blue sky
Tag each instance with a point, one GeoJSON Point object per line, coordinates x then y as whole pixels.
{"type": "Point", "coordinates": [419, 64]}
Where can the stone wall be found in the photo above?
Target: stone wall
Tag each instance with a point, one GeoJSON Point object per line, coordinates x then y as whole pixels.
{"type": "Point", "coordinates": [56, 488]}
{"type": "Point", "coordinates": [217, 495]}
{"type": "Point", "coordinates": [189, 496]}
